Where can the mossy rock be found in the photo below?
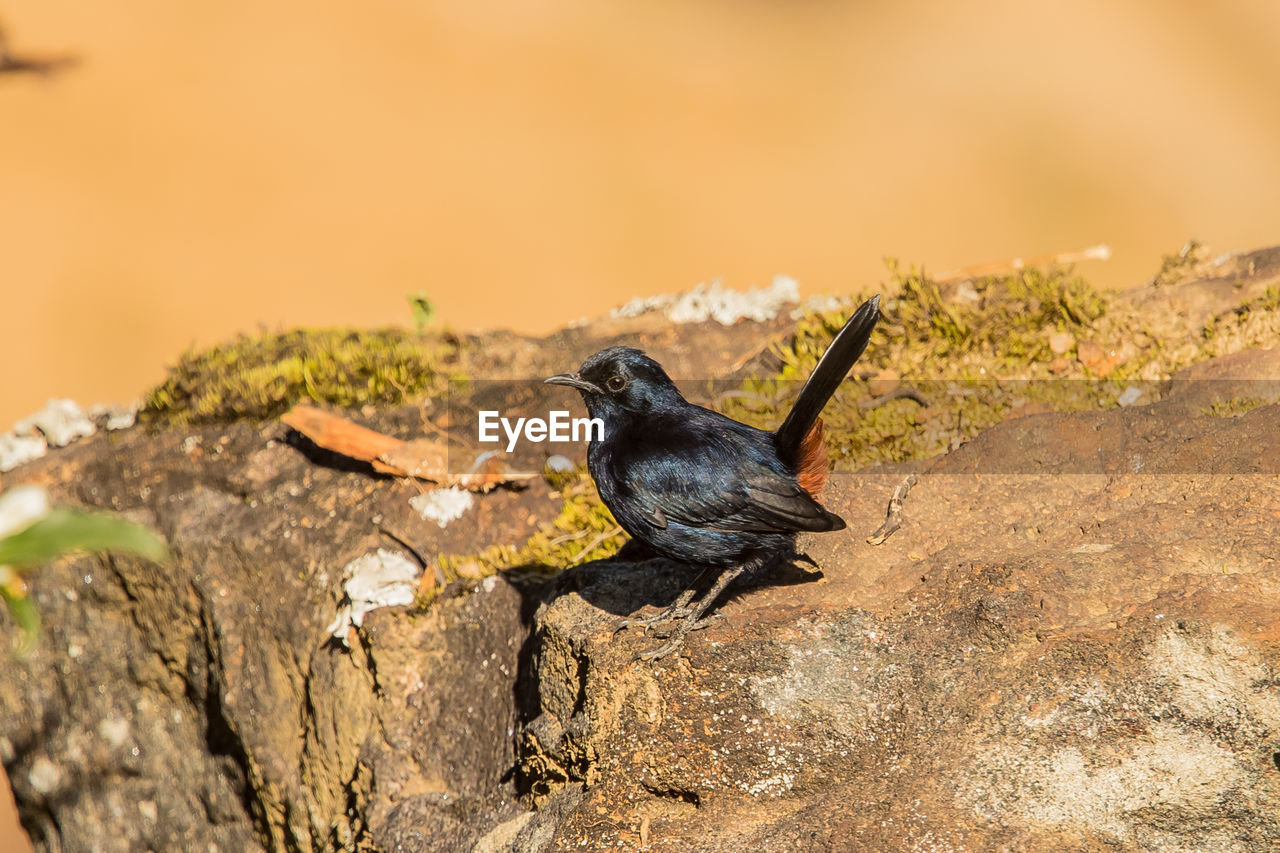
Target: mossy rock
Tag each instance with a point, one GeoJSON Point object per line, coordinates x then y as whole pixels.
{"type": "Point", "coordinates": [584, 530]}
{"type": "Point", "coordinates": [262, 377]}
{"type": "Point", "coordinates": [983, 350]}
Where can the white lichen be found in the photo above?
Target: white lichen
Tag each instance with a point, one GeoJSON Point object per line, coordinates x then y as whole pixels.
{"type": "Point", "coordinates": [381, 579]}
{"type": "Point", "coordinates": [558, 464]}
{"type": "Point", "coordinates": [60, 422]}
{"type": "Point", "coordinates": [715, 302]}
{"type": "Point", "coordinates": [1130, 396]}
{"type": "Point", "coordinates": [18, 450]}
{"type": "Point", "coordinates": [114, 417]}
{"type": "Point", "coordinates": [442, 505]}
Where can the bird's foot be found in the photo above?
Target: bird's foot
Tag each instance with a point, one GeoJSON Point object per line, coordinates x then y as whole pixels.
{"type": "Point", "coordinates": [678, 609]}
{"type": "Point", "coordinates": [670, 614]}
{"type": "Point", "coordinates": [661, 651]}
{"type": "Point", "coordinates": [688, 624]}
{"type": "Point", "coordinates": [696, 617]}
{"type": "Point", "coordinates": [675, 637]}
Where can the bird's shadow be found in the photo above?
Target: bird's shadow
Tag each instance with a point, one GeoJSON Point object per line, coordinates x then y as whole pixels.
{"type": "Point", "coordinates": [621, 585]}
{"type": "Point", "coordinates": [635, 578]}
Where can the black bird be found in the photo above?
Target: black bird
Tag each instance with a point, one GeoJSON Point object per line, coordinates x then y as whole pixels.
{"type": "Point", "coordinates": [702, 488]}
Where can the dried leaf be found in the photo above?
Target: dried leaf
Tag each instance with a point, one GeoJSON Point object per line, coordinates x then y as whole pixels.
{"type": "Point", "coordinates": [421, 458]}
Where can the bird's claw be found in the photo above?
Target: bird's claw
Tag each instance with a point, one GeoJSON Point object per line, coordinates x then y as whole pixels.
{"type": "Point", "coordinates": [661, 651]}
{"type": "Point", "coordinates": [671, 614]}
{"type": "Point", "coordinates": [681, 630]}
{"type": "Point", "coordinates": [675, 637]}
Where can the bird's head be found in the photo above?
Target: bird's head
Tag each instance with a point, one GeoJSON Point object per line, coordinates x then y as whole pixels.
{"type": "Point", "coordinates": [619, 381]}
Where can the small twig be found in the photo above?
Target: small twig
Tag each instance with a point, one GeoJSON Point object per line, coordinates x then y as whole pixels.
{"type": "Point", "coordinates": [760, 350]}
{"type": "Point", "coordinates": [567, 537]}
{"type": "Point", "coordinates": [427, 424]}
{"type": "Point", "coordinates": [893, 518]}
{"type": "Point", "coordinates": [899, 393]}
{"type": "Point", "coordinates": [617, 528]}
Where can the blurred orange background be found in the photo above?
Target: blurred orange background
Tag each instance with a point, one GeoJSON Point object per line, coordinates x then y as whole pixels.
{"type": "Point", "coordinates": [210, 168]}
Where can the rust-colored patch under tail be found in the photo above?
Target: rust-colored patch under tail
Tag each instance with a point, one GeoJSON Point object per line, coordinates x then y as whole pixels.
{"type": "Point", "coordinates": [812, 466]}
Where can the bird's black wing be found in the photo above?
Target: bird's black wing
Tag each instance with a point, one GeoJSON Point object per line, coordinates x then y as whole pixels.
{"type": "Point", "coordinates": [719, 483]}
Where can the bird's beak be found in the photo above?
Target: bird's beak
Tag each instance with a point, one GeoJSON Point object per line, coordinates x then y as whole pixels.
{"type": "Point", "coordinates": [573, 380]}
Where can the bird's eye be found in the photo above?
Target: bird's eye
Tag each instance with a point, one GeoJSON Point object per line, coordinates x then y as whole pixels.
{"type": "Point", "coordinates": [616, 383]}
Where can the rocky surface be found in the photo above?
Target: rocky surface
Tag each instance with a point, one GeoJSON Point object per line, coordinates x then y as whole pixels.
{"type": "Point", "coordinates": [1071, 643]}
{"type": "Point", "coordinates": [1079, 659]}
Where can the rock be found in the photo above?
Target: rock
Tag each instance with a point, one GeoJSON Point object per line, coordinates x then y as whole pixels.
{"type": "Point", "coordinates": [1129, 396]}
{"type": "Point", "coordinates": [1026, 409]}
{"type": "Point", "coordinates": [884, 382]}
{"type": "Point", "coordinates": [1107, 680]}
{"type": "Point", "coordinates": [1089, 353]}
{"type": "Point", "coordinates": [247, 727]}
{"type": "Point", "coordinates": [1070, 643]}
{"type": "Point", "coordinates": [1061, 342]}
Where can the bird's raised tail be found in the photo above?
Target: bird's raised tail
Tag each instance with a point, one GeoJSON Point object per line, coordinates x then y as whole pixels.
{"type": "Point", "coordinates": [793, 438]}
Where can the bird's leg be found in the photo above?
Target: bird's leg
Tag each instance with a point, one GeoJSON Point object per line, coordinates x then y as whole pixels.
{"type": "Point", "coordinates": [694, 619]}
{"type": "Point", "coordinates": [677, 609]}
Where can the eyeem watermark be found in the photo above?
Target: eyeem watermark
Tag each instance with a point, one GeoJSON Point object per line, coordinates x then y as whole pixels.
{"type": "Point", "coordinates": [557, 427]}
{"type": "Point", "coordinates": [1177, 426]}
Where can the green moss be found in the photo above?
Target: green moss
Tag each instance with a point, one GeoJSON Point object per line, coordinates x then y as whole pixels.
{"type": "Point", "coordinates": [1235, 407]}
{"type": "Point", "coordinates": [584, 530]}
{"type": "Point", "coordinates": [1254, 323]}
{"type": "Point", "coordinates": [980, 350]}
{"type": "Point", "coordinates": [561, 480]}
{"type": "Point", "coordinates": [995, 316]}
{"type": "Point", "coordinates": [262, 377]}
{"type": "Point", "coordinates": [1270, 299]}
{"type": "Point", "coordinates": [1179, 265]}
{"type": "Point", "coordinates": [950, 346]}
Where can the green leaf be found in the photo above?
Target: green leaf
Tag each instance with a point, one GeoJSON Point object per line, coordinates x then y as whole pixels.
{"type": "Point", "coordinates": [423, 310]}
{"type": "Point", "coordinates": [27, 617]}
{"type": "Point", "coordinates": [65, 530]}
